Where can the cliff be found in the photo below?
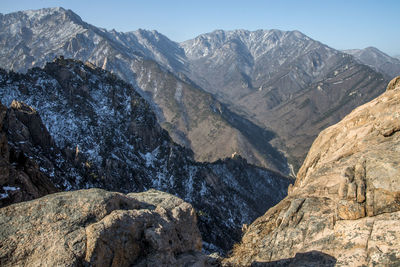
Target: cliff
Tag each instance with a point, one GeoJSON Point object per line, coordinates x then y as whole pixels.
{"type": "Point", "coordinates": [344, 207]}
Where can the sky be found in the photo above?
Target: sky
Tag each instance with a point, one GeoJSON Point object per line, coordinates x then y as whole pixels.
{"type": "Point", "coordinates": [341, 24]}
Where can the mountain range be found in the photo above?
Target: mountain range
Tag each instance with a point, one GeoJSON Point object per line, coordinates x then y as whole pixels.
{"type": "Point", "coordinates": [84, 107]}
{"type": "Point", "coordinates": [194, 118]}
{"type": "Point", "coordinates": [343, 209]}
{"type": "Point", "coordinates": [283, 81]}
{"type": "Point", "coordinates": [73, 126]}
{"type": "Point", "coordinates": [264, 94]}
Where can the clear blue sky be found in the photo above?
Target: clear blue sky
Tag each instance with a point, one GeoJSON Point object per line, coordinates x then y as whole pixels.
{"type": "Point", "coordinates": [341, 24]}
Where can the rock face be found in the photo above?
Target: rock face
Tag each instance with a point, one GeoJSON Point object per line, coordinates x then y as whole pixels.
{"type": "Point", "coordinates": [345, 202]}
{"type": "Point", "coordinates": [395, 83]}
{"type": "Point", "coordinates": [99, 228]}
{"type": "Point", "coordinates": [20, 176]}
{"type": "Point", "coordinates": [102, 133]}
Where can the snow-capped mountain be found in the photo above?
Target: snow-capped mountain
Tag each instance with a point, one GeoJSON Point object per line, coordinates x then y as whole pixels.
{"type": "Point", "coordinates": [192, 116]}
{"type": "Point", "coordinates": [236, 63]}
{"type": "Point", "coordinates": [283, 80]}
{"type": "Point", "coordinates": [283, 83]}
{"type": "Point", "coordinates": [104, 134]}
{"type": "Point", "coordinates": [377, 60]}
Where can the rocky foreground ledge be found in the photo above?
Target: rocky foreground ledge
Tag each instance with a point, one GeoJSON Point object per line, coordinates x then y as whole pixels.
{"type": "Point", "coordinates": [99, 228]}
{"type": "Point", "coordinates": [344, 209]}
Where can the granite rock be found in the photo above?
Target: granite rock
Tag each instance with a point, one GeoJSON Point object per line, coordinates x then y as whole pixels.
{"type": "Point", "coordinates": [345, 202]}
{"type": "Point", "coordinates": [99, 228]}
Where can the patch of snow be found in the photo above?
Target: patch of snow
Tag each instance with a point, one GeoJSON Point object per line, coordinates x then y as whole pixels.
{"type": "Point", "coordinates": [203, 189]}
{"type": "Point", "coordinates": [150, 157]}
{"type": "Point", "coordinates": [178, 92]}
{"type": "Point", "coordinates": [191, 172]}
{"type": "Point", "coordinates": [10, 188]}
{"type": "Point", "coordinates": [67, 185]}
{"type": "Point", "coordinates": [339, 82]}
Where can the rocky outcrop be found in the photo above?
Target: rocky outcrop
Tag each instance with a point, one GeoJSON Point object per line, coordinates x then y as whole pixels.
{"type": "Point", "coordinates": [20, 175]}
{"type": "Point", "coordinates": [395, 83]}
{"type": "Point", "coordinates": [345, 202]}
{"type": "Point", "coordinates": [100, 228]}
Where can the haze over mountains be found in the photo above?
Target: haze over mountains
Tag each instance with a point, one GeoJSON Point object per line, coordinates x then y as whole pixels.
{"type": "Point", "coordinates": [254, 93]}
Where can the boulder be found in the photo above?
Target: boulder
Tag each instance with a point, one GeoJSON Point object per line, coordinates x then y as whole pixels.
{"type": "Point", "coordinates": [99, 228]}
{"type": "Point", "coordinates": [344, 205]}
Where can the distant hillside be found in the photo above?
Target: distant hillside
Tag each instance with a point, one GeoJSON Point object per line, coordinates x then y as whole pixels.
{"type": "Point", "coordinates": [377, 60]}
{"type": "Point", "coordinates": [284, 81]}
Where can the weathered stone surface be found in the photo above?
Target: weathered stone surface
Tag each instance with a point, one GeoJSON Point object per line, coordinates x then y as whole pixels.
{"type": "Point", "coordinates": [345, 202]}
{"type": "Point", "coordinates": [394, 83]}
{"type": "Point", "coordinates": [100, 228]}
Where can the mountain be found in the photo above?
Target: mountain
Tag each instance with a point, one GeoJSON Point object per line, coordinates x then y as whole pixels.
{"type": "Point", "coordinates": [194, 118]}
{"type": "Point", "coordinates": [343, 209]}
{"type": "Point", "coordinates": [283, 86]}
{"type": "Point", "coordinates": [79, 126]}
{"type": "Point", "coordinates": [376, 59]}
{"type": "Point", "coordinates": [283, 81]}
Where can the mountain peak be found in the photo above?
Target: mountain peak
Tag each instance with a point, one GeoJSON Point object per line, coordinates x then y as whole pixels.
{"type": "Point", "coordinates": [54, 13]}
{"type": "Point", "coordinates": [48, 10]}
{"type": "Point", "coordinates": [37, 14]}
